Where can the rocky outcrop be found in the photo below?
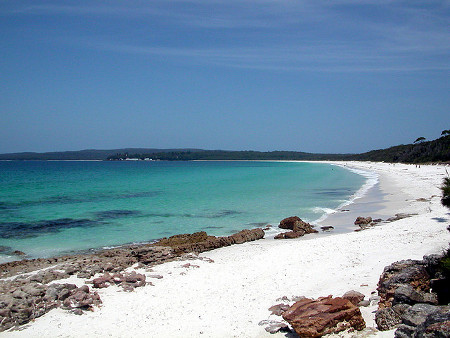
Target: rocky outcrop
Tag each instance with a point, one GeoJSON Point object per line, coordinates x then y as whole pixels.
{"type": "Point", "coordinates": [29, 296]}
{"type": "Point", "coordinates": [354, 297]}
{"type": "Point", "coordinates": [406, 272]}
{"type": "Point", "coordinates": [128, 281]}
{"type": "Point", "coordinates": [409, 300]}
{"type": "Point", "coordinates": [201, 242]}
{"type": "Point", "coordinates": [297, 226]}
{"type": "Point", "coordinates": [315, 318]}
{"type": "Point", "coordinates": [20, 304]}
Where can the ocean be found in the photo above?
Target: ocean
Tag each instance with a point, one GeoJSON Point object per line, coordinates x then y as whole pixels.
{"type": "Point", "coordinates": [50, 208]}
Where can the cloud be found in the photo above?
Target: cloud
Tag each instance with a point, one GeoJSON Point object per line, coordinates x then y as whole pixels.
{"type": "Point", "coordinates": [319, 35]}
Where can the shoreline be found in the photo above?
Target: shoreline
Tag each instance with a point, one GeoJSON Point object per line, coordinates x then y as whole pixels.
{"type": "Point", "coordinates": [231, 295]}
{"type": "Point", "coordinates": [274, 230]}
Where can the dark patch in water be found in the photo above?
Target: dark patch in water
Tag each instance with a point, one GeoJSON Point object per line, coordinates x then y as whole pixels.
{"type": "Point", "coordinates": [5, 249]}
{"type": "Point", "coordinates": [64, 199]}
{"type": "Point", "coordinates": [213, 227]}
{"type": "Point", "coordinates": [141, 194]}
{"type": "Point", "coordinates": [27, 230]}
{"type": "Point", "coordinates": [224, 213]}
{"type": "Point", "coordinates": [113, 214]}
{"type": "Point", "coordinates": [333, 192]}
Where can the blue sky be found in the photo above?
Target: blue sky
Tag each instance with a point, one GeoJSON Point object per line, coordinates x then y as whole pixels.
{"type": "Point", "coordinates": [307, 75]}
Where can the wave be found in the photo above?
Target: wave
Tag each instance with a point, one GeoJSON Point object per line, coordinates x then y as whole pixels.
{"type": "Point", "coordinates": [372, 179]}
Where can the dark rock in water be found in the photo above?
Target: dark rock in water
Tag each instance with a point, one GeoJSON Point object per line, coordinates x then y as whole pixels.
{"type": "Point", "coordinates": [296, 224]}
{"type": "Point", "coordinates": [353, 296]}
{"type": "Point", "coordinates": [363, 220]}
{"type": "Point", "coordinates": [315, 318]}
{"type": "Point", "coordinates": [18, 253]}
{"type": "Point", "coordinates": [327, 228]}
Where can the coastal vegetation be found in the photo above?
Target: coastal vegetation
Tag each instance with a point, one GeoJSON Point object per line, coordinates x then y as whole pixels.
{"type": "Point", "coordinates": [420, 151]}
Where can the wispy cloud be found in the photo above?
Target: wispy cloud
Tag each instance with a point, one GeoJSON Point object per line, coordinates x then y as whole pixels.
{"type": "Point", "coordinates": [319, 35]}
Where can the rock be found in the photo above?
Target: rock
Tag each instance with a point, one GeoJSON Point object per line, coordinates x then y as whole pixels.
{"type": "Point", "coordinates": [418, 313]}
{"type": "Point", "coordinates": [277, 327]}
{"type": "Point", "coordinates": [274, 326]}
{"type": "Point", "coordinates": [398, 217]}
{"type": "Point", "coordinates": [201, 242]}
{"type": "Point", "coordinates": [279, 309]}
{"type": "Point", "coordinates": [296, 224]}
{"type": "Point", "coordinates": [19, 253]}
{"type": "Point", "coordinates": [103, 281]}
{"type": "Point", "coordinates": [436, 324]}
{"type": "Point", "coordinates": [363, 220]}
{"type": "Point", "coordinates": [327, 228]}
{"type": "Point", "coordinates": [406, 294]}
{"type": "Point", "coordinates": [353, 296]}
{"type": "Point", "coordinates": [315, 318]}
{"type": "Point", "coordinates": [410, 272]}
{"type": "Point", "coordinates": [364, 303]}
{"type": "Point", "coordinates": [404, 331]}
{"type": "Point", "coordinates": [390, 317]}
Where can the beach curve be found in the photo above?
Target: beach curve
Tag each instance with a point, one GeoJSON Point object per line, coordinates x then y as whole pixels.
{"type": "Point", "coordinates": [230, 296]}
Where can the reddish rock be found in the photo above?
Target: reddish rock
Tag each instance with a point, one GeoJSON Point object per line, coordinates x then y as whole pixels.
{"type": "Point", "coordinates": [296, 224]}
{"type": "Point", "coordinates": [200, 241]}
{"type": "Point", "coordinates": [315, 318]}
{"type": "Point", "coordinates": [353, 296]}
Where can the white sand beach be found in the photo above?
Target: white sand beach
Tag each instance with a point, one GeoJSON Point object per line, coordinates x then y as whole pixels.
{"type": "Point", "coordinates": [227, 292]}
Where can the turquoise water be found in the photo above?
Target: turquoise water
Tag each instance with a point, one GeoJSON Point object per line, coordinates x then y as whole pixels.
{"type": "Point", "coordinates": [50, 208]}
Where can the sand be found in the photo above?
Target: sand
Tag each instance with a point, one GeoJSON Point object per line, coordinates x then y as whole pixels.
{"type": "Point", "coordinates": [228, 291]}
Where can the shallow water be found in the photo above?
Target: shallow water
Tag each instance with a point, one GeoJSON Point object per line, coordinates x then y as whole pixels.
{"type": "Point", "coordinates": [49, 208]}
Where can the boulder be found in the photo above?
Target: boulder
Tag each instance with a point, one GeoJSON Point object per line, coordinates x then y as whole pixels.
{"type": "Point", "coordinates": [406, 294]}
{"type": "Point", "coordinates": [390, 317]}
{"type": "Point", "coordinates": [363, 220]}
{"type": "Point", "coordinates": [353, 296]}
{"type": "Point", "coordinates": [296, 224]}
{"type": "Point", "coordinates": [327, 228]}
{"type": "Point", "coordinates": [315, 318]}
{"type": "Point", "coordinates": [409, 271]}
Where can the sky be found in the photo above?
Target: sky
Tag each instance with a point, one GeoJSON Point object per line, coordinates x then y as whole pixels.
{"type": "Point", "coordinates": [323, 76]}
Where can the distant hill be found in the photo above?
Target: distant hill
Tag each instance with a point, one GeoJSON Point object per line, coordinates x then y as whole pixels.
{"type": "Point", "coordinates": [423, 152]}
{"type": "Point", "coordinates": [87, 154]}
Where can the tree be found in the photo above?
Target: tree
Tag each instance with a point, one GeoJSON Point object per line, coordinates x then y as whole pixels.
{"type": "Point", "coordinates": [445, 132]}
{"type": "Point", "coordinates": [420, 139]}
{"type": "Point", "coordinates": [446, 192]}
